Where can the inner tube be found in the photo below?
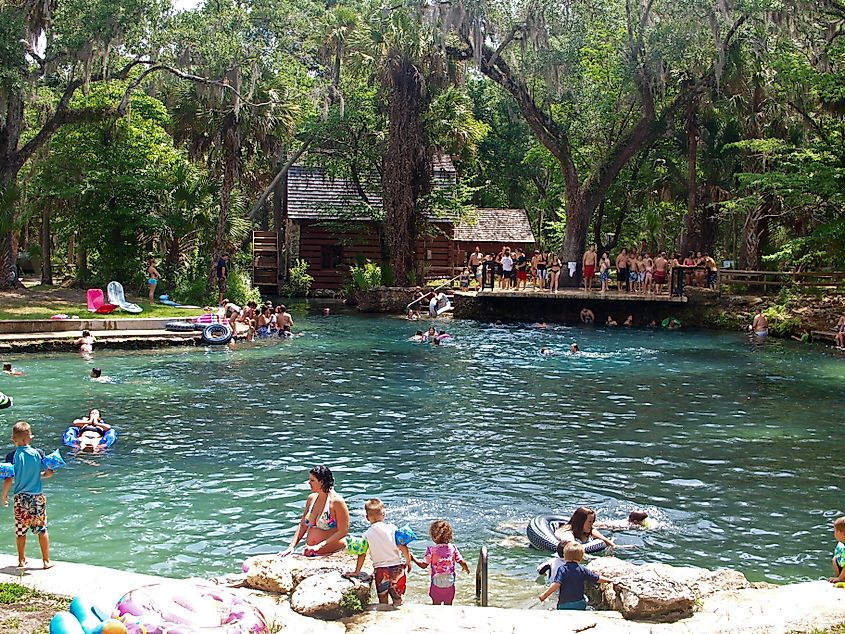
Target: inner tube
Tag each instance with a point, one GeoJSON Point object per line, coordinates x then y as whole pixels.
{"type": "Point", "coordinates": [187, 607]}
{"type": "Point", "coordinates": [217, 334]}
{"type": "Point", "coordinates": [5, 401]}
{"type": "Point", "coordinates": [179, 326]}
{"type": "Point", "coordinates": [73, 437]}
{"type": "Point", "coordinates": [541, 534]}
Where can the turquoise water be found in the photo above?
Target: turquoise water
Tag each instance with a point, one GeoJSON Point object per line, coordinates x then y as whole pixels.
{"type": "Point", "coordinates": [735, 449]}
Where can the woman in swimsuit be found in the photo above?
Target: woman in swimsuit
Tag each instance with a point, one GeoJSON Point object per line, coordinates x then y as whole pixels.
{"type": "Point", "coordinates": [325, 521]}
{"type": "Point", "coordinates": [555, 274]}
{"type": "Point", "coordinates": [579, 528]}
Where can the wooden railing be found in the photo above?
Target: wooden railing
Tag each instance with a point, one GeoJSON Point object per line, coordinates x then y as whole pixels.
{"type": "Point", "coordinates": [766, 280]}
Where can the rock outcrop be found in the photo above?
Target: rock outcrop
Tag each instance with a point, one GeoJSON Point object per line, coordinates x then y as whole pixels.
{"type": "Point", "coordinates": [657, 592]}
{"type": "Point", "coordinates": [315, 584]}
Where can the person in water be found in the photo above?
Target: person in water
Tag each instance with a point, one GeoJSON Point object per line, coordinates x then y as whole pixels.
{"type": "Point", "coordinates": [587, 316]}
{"type": "Point", "coordinates": [325, 521]}
{"type": "Point", "coordinates": [574, 349]}
{"type": "Point", "coordinates": [760, 325]}
{"type": "Point", "coordinates": [92, 422]}
{"type": "Point", "coordinates": [86, 342]}
{"type": "Point", "coordinates": [838, 560]}
{"type": "Point", "coordinates": [570, 579]}
{"type": "Point", "coordinates": [580, 528]}
{"type": "Point", "coordinates": [7, 369]}
{"type": "Point", "coordinates": [636, 520]}
{"type": "Point", "coordinates": [420, 337]}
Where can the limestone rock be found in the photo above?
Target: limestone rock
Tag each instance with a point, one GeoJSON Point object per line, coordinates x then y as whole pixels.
{"type": "Point", "coordinates": [322, 595]}
{"type": "Point", "coordinates": [386, 299]}
{"type": "Point", "coordinates": [273, 573]}
{"type": "Point", "coordinates": [658, 592]}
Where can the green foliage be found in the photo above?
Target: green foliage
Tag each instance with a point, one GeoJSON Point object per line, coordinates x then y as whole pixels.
{"type": "Point", "coordinates": [14, 593]}
{"type": "Point", "coordinates": [350, 603]}
{"type": "Point", "coordinates": [366, 276]}
{"type": "Point", "coordinates": [781, 323]}
{"type": "Point", "coordinates": [299, 281]}
{"type": "Point", "coordinates": [240, 289]}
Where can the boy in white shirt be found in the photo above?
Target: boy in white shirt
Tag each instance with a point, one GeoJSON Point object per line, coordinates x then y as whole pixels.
{"type": "Point", "coordinates": [388, 564]}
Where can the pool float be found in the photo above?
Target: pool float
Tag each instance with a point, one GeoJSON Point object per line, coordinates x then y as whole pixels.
{"type": "Point", "coordinates": [665, 323]}
{"type": "Point", "coordinates": [179, 326]}
{"type": "Point", "coordinates": [541, 534]}
{"type": "Point", "coordinates": [185, 608]}
{"type": "Point", "coordinates": [84, 617]}
{"type": "Point", "coordinates": [217, 334]}
{"type": "Point", "coordinates": [5, 401]}
{"type": "Point", "coordinates": [89, 438]}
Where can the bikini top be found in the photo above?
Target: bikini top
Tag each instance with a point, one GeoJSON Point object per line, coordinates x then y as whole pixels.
{"type": "Point", "coordinates": [325, 521]}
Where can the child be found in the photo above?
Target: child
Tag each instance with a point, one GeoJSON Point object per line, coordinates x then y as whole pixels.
{"type": "Point", "coordinates": [604, 271]}
{"type": "Point", "coordinates": [388, 566]}
{"type": "Point", "coordinates": [570, 580]}
{"type": "Point", "coordinates": [86, 342]}
{"type": "Point", "coordinates": [152, 278]}
{"type": "Point", "coordinates": [30, 504]}
{"type": "Point", "coordinates": [636, 520]}
{"type": "Point", "coordinates": [442, 557]}
{"type": "Point", "coordinates": [464, 280]}
{"type": "Point", "coordinates": [7, 369]}
{"type": "Point", "coordinates": [839, 552]}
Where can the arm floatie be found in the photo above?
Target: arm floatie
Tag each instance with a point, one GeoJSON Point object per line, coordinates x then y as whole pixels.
{"type": "Point", "coordinates": [7, 470]}
{"type": "Point", "coordinates": [405, 535]}
{"type": "Point", "coordinates": [357, 545]}
{"type": "Point", "coordinates": [53, 461]}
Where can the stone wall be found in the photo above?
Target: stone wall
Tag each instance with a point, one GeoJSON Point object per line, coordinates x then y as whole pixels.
{"type": "Point", "coordinates": [385, 299]}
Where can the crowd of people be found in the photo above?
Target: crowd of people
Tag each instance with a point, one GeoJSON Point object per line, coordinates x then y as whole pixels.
{"type": "Point", "coordinates": [638, 270]}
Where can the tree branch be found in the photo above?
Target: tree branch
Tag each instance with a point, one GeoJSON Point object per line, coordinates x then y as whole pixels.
{"type": "Point", "coordinates": [263, 197]}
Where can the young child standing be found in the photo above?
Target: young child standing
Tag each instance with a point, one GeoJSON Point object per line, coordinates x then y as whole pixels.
{"type": "Point", "coordinates": [839, 552]}
{"type": "Point", "coordinates": [388, 566]}
{"type": "Point", "coordinates": [30, 506]}
{"type": "Point", "coordinates": [570, 579]}
{"type": "Point", "coordinates": [442, 558]}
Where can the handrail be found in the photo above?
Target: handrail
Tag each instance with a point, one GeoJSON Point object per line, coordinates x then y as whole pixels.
{"type": "Point", "coordinates": [449, 283]}
{"type": "Point", "coordinates": [481, 577]}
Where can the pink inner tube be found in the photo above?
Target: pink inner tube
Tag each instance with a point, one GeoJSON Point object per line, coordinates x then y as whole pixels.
{"type": "Point", "coordinates": [186, 608]}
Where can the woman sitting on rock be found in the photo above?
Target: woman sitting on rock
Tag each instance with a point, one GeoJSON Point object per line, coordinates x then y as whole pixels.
{"type": "Point", "coordinates": [579, 528]}
{"type": "Point", "coordinates": [325, 522]}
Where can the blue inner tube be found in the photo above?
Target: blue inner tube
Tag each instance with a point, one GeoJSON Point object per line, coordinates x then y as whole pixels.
{"type": "Point", "coordinates": [71, 437]}
{"type": "Point", "coordinates": [217, 334]}
{"type": "Point", "coordinates": [541, 534]}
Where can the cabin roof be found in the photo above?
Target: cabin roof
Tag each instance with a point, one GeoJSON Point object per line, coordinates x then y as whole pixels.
{"type": "Point", "coordinates": [496, 225]}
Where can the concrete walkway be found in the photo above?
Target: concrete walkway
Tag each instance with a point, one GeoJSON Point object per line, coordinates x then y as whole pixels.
{"type": "Point", "coordinates": [797, 608]}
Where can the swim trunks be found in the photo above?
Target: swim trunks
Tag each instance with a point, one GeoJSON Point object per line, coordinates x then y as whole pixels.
{"type": "Point", "coordinates": [589, 270]}
{"type": "Point", "coordinates": [152, 281]}
{"type": "Point", "coordinates": [522, 274]}
{"type": "Point", "coordinates": [605, 276]}
{"type": "Point", "coordinates": [633, 276]}
{"type": "Point", "coordinates": [659, 277]}
{"type": "Point", "coordinates": [390, 580]}
{"type": "Point", "coordinates": [30, 512]}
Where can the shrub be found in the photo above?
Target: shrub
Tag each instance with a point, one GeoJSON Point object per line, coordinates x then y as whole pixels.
{"type": "Point", "coordinates": [781, 323]}
{"type": "Point", "coordinates": [365, 277]}
{"type": "Point", "coordinates": [240, 289]}
{"type": "Point", "coordinates": [299, 281]}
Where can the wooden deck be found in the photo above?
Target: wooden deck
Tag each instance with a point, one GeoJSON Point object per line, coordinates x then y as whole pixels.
{"type": "Point", "coordinates": [573, 294]}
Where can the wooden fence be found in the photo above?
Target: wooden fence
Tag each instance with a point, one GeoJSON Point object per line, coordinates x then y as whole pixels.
{"type": "Point", "coordinates": [775, 280]}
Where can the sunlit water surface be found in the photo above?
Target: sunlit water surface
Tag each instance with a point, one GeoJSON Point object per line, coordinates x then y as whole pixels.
{"type": "Point", "coordinates": [735, 449]}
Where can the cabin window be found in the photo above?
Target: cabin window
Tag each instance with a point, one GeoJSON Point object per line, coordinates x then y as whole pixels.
{"type": "Point", "coordinates": [331, 256]}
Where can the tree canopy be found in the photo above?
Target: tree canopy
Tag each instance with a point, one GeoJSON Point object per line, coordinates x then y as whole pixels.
{"type": "Point", "coordinates": [129, 130]}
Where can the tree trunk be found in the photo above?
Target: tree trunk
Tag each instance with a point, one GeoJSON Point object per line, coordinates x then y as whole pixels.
{"type": "Point", "coordinates": [753, 234]}
{"type": "Point", "coordinates": [46, 246]}
{"type": "Point", "coordinates": [10, 134]}
{"type": "Point", "coordinates": [407, 169]}
{"type": "Point", "coordinates": [231, 145]}
{"type": "Point", "coordinates": [692, 240]}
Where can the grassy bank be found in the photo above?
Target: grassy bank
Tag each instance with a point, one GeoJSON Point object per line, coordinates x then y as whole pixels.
{"type": "Point", "coordinates": [27, 611]}
{"type": "Point", "coordinates": [42, 302]}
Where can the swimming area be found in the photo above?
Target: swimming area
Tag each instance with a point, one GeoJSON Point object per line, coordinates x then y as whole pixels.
{"type": "Point", "coordinates": [732, 447]}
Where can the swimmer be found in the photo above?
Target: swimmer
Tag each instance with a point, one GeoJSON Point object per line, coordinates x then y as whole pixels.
{"type": "Point", "coordinates": [541, 324]}
{"type": "Point", "coordinates": [587, 316]}
{"type": "Point", "coordinates": [611, 321]}
{"type": "Point", "coordinates": [86, 342]}
{"type": "Point", "coordinates": [652, 324]}
{"type": "Point", "coordinates": [546, 351]}
{"type": "Point", "coordinates": [760, 325]}
{"type": "Point", "coordinates": [327, 312]}
{"type": "Point", "coordinates": [435, 341]}
{"type": "Point", "coordinates": [412, 315]}
{"type": "Point", "coordinates": [629, 321]}
{"type": "Point", "coordinates": [443, 335]}
{"type": "Point", "coordinates": [637, 519]}
{"type": "Point", "coordinates": [431, 331]}
{"type": "Point", "coordinates": [7, 369]}
{"type": "Point", "coordinates": [91, 431]}
{"type": "Point", "coordinates": [574, 349]}
{"type": "Point", "coordinates": [418, 338]}
{"type": "Point", "coordinates": [498, 324]}
{"type": "Point", "coordinates": [96, 373]}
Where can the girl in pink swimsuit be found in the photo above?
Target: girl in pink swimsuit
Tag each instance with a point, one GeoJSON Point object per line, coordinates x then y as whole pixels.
{"type": "Point", "coordinates": [442, 558]}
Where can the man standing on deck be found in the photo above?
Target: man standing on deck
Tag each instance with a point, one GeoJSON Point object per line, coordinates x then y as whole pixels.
{"type": "Point", "coordinates": [622, 269]}
{"type": "Point", "coordinates": [488, 272]}
{"type": "Point", "coordinates": [661, 264]}
{"type": "Point", "coordinates": [589, 263]}
{"type": "Point", "coordinates": [475, 260]}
